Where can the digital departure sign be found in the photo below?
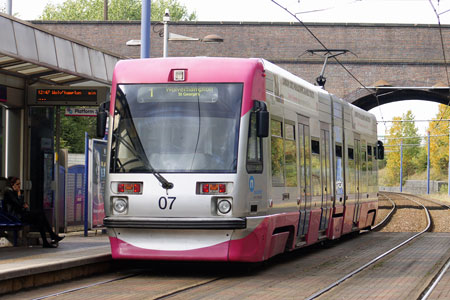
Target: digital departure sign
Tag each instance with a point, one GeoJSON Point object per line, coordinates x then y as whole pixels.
{"type": "Point", "coordinates": [177, 92]}
{"type": "Point", "coordinates": [54, 94]}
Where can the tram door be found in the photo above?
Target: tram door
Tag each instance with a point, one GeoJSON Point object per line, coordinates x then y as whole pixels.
{"type": "Point", "coordinates": [357, 159]}
{"type": "Point", "coordinates": [304, 146]}
{"type": "Point", "coordinates": [326, 177]}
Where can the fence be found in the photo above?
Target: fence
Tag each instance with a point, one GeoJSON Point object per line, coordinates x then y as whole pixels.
{"type": "Point", "coordinates": [418, 187]}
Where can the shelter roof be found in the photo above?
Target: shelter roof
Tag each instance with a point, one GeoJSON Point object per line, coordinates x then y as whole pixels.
{"type": "Point", "coordinates": [30, 52]}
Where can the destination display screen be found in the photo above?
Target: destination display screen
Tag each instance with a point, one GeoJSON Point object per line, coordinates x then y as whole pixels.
{"type": "Point", "coordinates": [50, 95]}
{"type": "Point", "coordinates": [174, 93]}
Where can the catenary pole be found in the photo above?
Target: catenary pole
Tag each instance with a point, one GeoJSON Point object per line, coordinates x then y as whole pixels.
{"type": "Point", "coordinates": [428, 165]}
{"type": "Point", "coordinates": [401, 166]}
{"type": "Point", "coordinates": [145, 28]}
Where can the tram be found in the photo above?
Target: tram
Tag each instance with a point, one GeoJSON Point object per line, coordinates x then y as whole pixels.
{"type": "Point", "coordinates": [231, 159]}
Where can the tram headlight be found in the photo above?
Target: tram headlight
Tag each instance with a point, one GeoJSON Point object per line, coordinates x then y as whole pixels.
{"type": "Point", "coordinates": [120, 205]}
{"type": "Point", "coordinates": [223, 206]}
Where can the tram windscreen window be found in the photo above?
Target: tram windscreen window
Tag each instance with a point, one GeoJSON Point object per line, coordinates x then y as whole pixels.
{"type": "Point", "coordinates": [315, 147]}
{"type": "Point", "coordinates": [176, 128]}
{"type": "Point", "coordinates": [338, 151]}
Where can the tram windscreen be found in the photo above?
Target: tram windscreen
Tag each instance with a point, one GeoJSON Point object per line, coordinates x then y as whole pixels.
{"type": "Point", "coordinates": [179, 128]}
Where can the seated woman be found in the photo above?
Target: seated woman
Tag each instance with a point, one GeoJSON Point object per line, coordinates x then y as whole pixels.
{"type": "Point", "coordinates": [16, 206]}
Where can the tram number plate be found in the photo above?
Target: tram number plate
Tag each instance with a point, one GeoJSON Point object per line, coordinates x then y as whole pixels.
{"type": "Point", "coordinates": [166, 202]}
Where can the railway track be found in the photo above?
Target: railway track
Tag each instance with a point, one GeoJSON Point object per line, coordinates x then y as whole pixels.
{"type": "Point", "coordinates": [210, 285]}
{"type": "Point", "coordinates": [418, 202]}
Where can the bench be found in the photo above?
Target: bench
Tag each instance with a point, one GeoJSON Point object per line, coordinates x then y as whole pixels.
{"type": "Point", "coordinates": [10, 223]}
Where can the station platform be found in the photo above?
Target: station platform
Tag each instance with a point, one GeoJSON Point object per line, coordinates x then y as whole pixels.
{"type": "Point", "coordinates": [32, 266]}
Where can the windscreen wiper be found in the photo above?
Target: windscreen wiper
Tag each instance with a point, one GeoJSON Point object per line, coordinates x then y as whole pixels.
{"type": "Point", "coordinates": [164, 183]}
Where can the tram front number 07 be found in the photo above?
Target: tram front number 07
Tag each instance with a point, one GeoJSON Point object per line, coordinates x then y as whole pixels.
{"type": "Point", "coordinates": [164, 202]}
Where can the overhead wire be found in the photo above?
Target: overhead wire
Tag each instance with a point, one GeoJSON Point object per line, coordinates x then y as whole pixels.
{"type": "Point", "coordinates": [335, 58]}
{"type": "Point", "coordinates": [323, 9]}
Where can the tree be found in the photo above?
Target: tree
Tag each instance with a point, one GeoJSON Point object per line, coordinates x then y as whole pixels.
{"type": "Point", "coordinates": [177, 11]}
{"type": "Point", "coordinates": [72, 132]}
{"type": "Point", "coordinates": [439, 144]}
{"type": "Point", "coordinates": [408, 131]}
{"type": "Point", "coordinates": [117, 10]}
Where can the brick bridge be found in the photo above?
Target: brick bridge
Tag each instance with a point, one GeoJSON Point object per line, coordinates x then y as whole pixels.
{"type": "Point", "coordinates": [398, 62]}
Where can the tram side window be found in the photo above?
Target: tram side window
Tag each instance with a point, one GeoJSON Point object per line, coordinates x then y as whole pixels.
{"type": "Point", "coordinates": [363, 181]}
{"type": "Point", "coordinates": [290, 155]}
{"type": "Point", "coordinates": [315, 167]}
{"type": "Point", "coordinates": [351, 187]}
{"type": "Point", "coordinates": [369, 168]}
{"type": "Point", "coordinates": [277, 153]}
{"type": "Point", "coordinates": [254, 148]}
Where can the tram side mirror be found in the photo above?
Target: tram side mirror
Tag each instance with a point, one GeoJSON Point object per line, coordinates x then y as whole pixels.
{"type": "Point", "coordinates": [101, 123]}
{"type": "Point", "coordinates": [380, 153]}
{"type": "Point", "coordinates": [102, 116]}
{"type": "Point", "coordinates": [262, 123]}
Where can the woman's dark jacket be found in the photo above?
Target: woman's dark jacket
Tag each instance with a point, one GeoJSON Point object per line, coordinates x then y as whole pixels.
{"type": "Point", "coordinates": [14, 203]}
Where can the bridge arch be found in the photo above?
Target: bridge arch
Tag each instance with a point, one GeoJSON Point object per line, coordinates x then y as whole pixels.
{"type": "Point", "coordinates": [388, 94]}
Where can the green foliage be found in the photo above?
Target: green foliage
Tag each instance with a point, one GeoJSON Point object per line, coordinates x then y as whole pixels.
{"type": "Point", "coordinates": [439, 144]}
{"type": "Point", "coordinates": [402, 130]}
{"type": "Point", "coordinates": [85, 10]}
{"type": "Point", "coordinates": [420, 161]}
{"type": "Point", "coordinates": [73, 129]}
{"type": "Point", "coordinates": [177, 11]}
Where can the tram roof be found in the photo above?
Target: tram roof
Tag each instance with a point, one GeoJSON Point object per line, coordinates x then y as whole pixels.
{"type": "Point", "coordinates": [30, 52]}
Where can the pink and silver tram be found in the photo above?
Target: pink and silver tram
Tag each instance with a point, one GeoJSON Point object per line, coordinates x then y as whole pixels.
{"type": "Point", "coordinates": [231, 159]}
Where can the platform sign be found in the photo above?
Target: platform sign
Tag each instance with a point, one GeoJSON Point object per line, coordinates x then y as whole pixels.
{"type": "Point", "coordinates": [67, 95]}
{"type": "Point", "coordinates": [80, 112]}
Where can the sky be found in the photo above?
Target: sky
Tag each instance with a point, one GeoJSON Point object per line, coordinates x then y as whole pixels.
{"type": "Point", "coordinates": [346, 11]}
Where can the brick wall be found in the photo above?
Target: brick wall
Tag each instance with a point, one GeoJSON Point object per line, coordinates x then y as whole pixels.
{"type": "Point", "coordinates": [403, 55]}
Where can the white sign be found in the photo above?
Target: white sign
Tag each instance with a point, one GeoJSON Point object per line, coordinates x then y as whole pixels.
{"type": "Point", "coordinates": [81, 112]}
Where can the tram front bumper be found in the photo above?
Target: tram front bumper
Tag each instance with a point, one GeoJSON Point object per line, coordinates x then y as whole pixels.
{"type": "Point", "coordinates": [175, 223]}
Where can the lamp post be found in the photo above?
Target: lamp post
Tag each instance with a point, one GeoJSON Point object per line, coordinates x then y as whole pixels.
{"type": "Point", "coordinates": [166, 20]}
{"type": "Point", "coordinates": [145, 28]}
{"type": "Point", "coordinates": [209, 39]}
{"type": "Point", "coordinates": [9, 7]}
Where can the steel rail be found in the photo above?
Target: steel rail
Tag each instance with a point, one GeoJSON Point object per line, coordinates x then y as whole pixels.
{"type": "Point", "coordinates": [437, 278]}
{"type": "Point", "coordinates": [336, 283]}
{"type": "Point", "coordinates": [187, 288]}
{"type": "Point", "coordinates": [388, 216]}
{"type": "Point", "coordinates": [86, 286]}
{"type": "Point", "coordinates": [435, 282]}
{"type": "Point", "coordinates": [435, 202]}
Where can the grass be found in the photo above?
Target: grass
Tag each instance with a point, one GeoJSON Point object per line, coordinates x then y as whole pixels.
{"type": "Point", "coordinates": [443, 197]}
